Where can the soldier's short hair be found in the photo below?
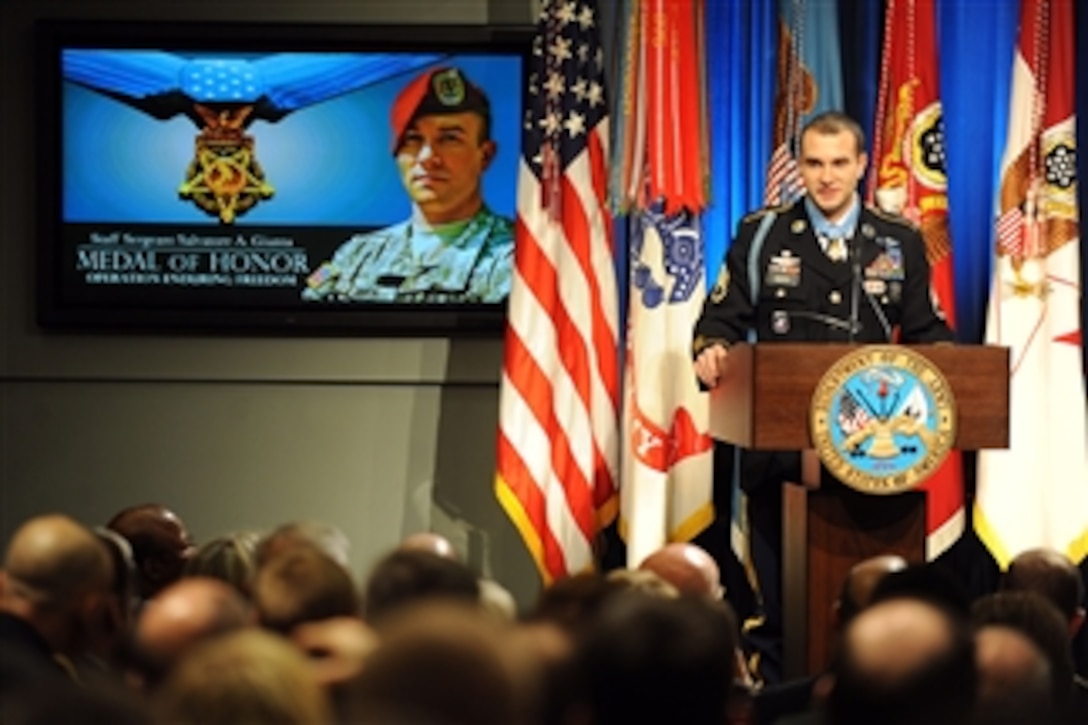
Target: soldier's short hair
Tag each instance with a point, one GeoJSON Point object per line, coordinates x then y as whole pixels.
{"type": "Point", "coordinates": [830, 122]}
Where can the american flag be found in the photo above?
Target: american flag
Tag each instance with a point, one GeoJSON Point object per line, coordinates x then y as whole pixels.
{"type": "Point", "coordinates": [852, 416]}
{"type": "Point", "coordinates": [557, 453]}
{"type": "Point", "coordinates": [783, 178]}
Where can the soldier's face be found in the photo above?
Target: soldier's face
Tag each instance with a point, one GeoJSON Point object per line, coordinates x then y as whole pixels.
{"type": "Point", "coordinates": [441, 158]}
{"type": "Point", "coordinates": [831, 167]}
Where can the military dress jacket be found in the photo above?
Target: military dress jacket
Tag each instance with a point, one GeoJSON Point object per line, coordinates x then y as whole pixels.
{"type": "Point", "coordinates": [801, 295]}
{"type": "Point", "coordinates": [382, 266]}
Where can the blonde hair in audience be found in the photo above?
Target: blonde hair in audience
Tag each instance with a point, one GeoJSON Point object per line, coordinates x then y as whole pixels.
{"type": "Point", "coordinates": [251, 676]}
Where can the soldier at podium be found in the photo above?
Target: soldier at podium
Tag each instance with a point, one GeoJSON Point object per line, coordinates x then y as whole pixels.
{"type": "Point", "coordinates": [824, 269]}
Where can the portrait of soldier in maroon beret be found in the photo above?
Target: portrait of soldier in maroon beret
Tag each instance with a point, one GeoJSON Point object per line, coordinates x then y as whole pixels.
{"type": "Point", "coordinates": [452, 248]}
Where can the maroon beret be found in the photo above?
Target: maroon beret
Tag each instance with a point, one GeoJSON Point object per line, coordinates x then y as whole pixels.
{"type": "Point", "coordinates": [439, 90]}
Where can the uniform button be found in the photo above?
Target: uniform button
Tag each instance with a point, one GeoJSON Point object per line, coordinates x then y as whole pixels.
{"type": "Point", "coordinates": [780, 292]}
{"type": "Point", "coordinates": [834, 298]}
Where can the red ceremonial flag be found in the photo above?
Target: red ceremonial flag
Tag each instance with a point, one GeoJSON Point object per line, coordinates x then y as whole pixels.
{"type": "Point", "coordinates": [908, 178]}
{"type": "Point", "coordinates": [673, 87]}
{"type": "Point", "coordinates": [1035, 493]}
{"type": "Point", "coordinates": [557, 453]}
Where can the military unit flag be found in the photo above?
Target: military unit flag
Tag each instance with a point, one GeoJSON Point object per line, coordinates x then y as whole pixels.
{"type": "Point", "coordinates": [1036, 492]}
{"type": "Point", "coordinates": [908, 178]}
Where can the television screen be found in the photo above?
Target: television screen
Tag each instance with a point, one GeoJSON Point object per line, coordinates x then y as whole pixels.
{"type": "Point", "coordinates": [350, 178]}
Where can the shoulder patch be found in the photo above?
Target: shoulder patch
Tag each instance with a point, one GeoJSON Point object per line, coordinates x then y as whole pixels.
{"type": "Point", "coordinates": [893, 218]}
{"type": "Point", "coordinates": [759, 213]}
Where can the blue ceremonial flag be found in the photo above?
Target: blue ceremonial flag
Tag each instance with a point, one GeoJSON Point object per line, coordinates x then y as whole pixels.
{"type": "Point", "coordinates": [809, 82]}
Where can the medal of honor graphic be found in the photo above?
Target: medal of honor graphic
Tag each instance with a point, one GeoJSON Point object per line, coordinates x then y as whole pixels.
{"type": "Point", "coordinates": [882, 419]}
{"type": "Point", "coordinates": [223, 96]}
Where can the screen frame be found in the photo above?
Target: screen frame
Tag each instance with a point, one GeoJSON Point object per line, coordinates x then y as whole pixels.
{"type": "Point", "coordinates": [55, 313]}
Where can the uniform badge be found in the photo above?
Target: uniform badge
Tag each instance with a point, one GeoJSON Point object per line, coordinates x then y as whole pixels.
{"type": "Point", "coordinates": [449, 87]}
{"type": "Point", "coordinates": [867, 230]}
{"type": "Point", "coordinates": [798, 226]}
{"type": "Point", "coordinates": [888, 265]}
{"type": "Point", "coordinates": [721, 286]}
{"type": "Point", "coordinates": [780, 322]}
{"type": "Point", "coordinates": [875, 286]}
{"type": "Point", "coordinates": [783, 270]}
{"type": "Point", "coordinates": [895, 291]}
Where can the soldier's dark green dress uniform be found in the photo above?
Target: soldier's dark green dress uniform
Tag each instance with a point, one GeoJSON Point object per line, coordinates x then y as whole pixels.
{"type": "Point", "coordinates": [792, 291]}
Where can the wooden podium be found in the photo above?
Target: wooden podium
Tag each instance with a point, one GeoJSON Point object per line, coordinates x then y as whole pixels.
{"type": "Point", "coordinates": [763, 404]}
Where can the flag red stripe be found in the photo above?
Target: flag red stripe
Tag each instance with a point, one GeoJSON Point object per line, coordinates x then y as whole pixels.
{"type": "Point", "coordinates": [516, 474]}
{"type": "Point", "coordinates": [535, 386]}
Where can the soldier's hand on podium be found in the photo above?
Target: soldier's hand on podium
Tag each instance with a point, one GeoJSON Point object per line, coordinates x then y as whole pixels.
{"type": "Point", "coordinates": [710, 364]}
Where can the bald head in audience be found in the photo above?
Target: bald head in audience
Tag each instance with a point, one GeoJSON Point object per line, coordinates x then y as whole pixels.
{"type": "Point", "coordinates": [432, 542]}
{"type": "Point", "coordinates": [687, 567]}
{"type": "Point", "coordinates": [160, 544]}
{"type": "Point", "coordinates": [187, 612]}
{"type": "Point", "coordinates": [57, 578]}
{"type": "Point", "coordinates": [904, 662]}
{"type": "Point", "coordinates": [1014, 678]}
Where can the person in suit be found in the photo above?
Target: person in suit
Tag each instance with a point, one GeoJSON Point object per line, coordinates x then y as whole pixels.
{"type": "Point", "coordinates": [826, 268]}
{"type": "Point", "coordinates": [55, 599]}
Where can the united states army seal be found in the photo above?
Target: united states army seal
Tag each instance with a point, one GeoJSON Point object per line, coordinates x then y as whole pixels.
{"type": "Point", "coordinates": [882, 419]}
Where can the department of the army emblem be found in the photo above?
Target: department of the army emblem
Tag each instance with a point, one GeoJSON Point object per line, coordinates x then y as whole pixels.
{"type": "Point", "coordinates": [882, 419]}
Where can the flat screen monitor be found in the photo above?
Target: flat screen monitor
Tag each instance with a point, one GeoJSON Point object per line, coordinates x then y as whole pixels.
{"type": "Point", "coordinates": [350, 179]}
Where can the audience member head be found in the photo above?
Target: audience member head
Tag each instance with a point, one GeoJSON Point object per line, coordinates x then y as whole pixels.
{"type": "Point", "coordinates": [407, 576]}
{"type": "Point", "coordinates": [572, 602]}
{"type": "Point", "coordinates": [860, 583]}
{"type": "Point", "coordinates": [1053, 575]}
{"type": "Point", "coordinates": [643, 581]}
{"type": "Point", "coordinates": [250, 676]}
{"type": "Point", "coordinates": [495, 599]}
{"type": "Point", "coordinates": [650, 659]}
{"type": "Point", "coordinates": [438, 662]}
{"type": "Point", "coordinates": [432, 542]}
{"type": "Point", "coordinates": [57, 578]}
{"type": "Point", "coordinates": [928, 582]}
{"type": "Point", "coordinates": [302, 585]}
{"type": "Point", "coordinates": [231, 558]}
{"type": "Point", "coordinates": [903, 661]}
{"type": "Point", "coordinates": [1041, 622]}
{"type": "Point", "coordinates": [160, 544]}
{"type": "Point", "coordinates": [185, 613]}
{"type": "Point", "coordinates": [287, 537]}
{"type": "Point", "coordinates": [687, 567]}
{"type": "Point", "coordinates": [122, 609]}
{"type": "Point", "coordinates": [1014, 679]}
